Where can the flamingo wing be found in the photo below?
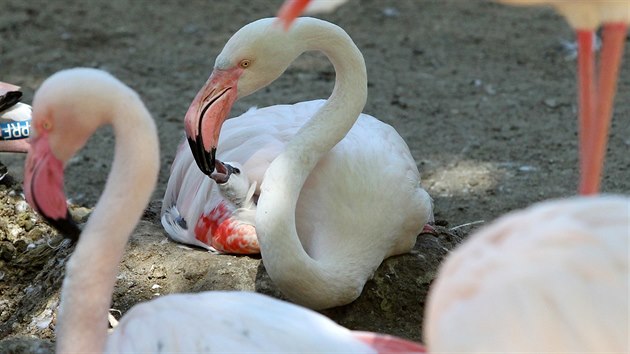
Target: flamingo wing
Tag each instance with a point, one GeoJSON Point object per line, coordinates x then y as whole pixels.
{"type": "Point", "coordinates": [219, 322]}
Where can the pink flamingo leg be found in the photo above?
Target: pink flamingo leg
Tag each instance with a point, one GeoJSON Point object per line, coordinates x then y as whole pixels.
{"type": "Point", "coordinates": [290, 10]}
{"type": "Point", "coordinates": [610, 61]}
{"type": "Point", "coordinates": [586, 99]}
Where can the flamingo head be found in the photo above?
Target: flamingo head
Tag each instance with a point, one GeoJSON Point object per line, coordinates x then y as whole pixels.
{"type": "Point", "coordinates": [223, 171]}
{"type": "Point", "coordinates": [233, 182]}
{"type": "Point", "coordinates": [58, 132]}
{"type": "Point", "coordinates": [254, 57]}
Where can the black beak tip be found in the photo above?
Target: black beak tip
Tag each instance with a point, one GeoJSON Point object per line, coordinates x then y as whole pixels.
{"type": "Point", "coordinates": [204, 159]}
{"type": "Point", "coordinates": [66, 226]}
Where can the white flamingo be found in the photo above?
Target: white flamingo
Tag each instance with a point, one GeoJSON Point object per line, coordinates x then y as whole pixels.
{"type": "Point", "coordinates": [552, 278]}
{"type": "Point", "coordinates": [340, 190]}
{"type": "Point", "coordinates": [68, 108]}
{"type": "Point", "coordinates": [595, 94]}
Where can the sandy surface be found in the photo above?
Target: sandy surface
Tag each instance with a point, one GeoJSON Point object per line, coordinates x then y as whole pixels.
{"type": "Point", "coordinates": [483, 94]}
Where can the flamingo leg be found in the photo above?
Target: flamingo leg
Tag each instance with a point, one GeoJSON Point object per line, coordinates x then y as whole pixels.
{"type": "Point", "coordinates": [597, 129]}
{"type": "Point", "coordinates": [586, 96]}
{"type": "Point", "coordinates": [20, 146]}
{"type": "Point", "coordinates": [290, 10]}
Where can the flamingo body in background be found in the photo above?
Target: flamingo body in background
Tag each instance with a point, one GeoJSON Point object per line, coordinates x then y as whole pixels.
{"type": "Point", "coordinates": [340, 190]}
{"type": "Point", "coordinates": [595, 98]}
{"type": "Point", "coordinates": [210, 322]}
{"type": "Point", "coordinates": [552, 278]}
{"type": "Point", "coordinates": [14, 117]}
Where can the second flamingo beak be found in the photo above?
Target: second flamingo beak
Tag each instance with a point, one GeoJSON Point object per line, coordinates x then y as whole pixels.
{"type": "Point", "coordinates": [206, 115]}
{"type": "Point", "coordinates": [43, 186]}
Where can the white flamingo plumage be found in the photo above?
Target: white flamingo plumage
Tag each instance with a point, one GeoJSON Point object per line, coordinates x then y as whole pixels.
{"type": "Point", "coordinates": [210, 322]}
{"type": "Point", "coordinates": [361, 203]}
{"type": "Point", "coordinates": [552, 278]}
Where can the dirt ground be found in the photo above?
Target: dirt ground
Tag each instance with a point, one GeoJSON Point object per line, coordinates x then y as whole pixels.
{"type": "Point", "coordinates": [484, 95]}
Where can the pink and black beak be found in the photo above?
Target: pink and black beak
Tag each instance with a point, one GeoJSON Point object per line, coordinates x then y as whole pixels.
{"type": "Point", "coordinates": [206, 115]}
{"type": "Point", "coordinates": [9, 99]}
{"type": "Point", "coordinates": [43, 186]}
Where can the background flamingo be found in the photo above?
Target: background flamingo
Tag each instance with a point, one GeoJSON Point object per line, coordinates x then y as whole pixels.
{"type": "Point", "coordinates": [11, 111]}
{"type": "Point", "coordinates": [552, 278]}
{"type": "Point", "coordinates": [207, 322]}
{"type": "Point", "coordinates": [595, 98]}
{"type": "Point", "coordinates": [361, 203]}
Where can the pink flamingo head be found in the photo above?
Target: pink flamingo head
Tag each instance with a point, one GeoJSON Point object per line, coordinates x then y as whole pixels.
{"type": "Point", "coordinates": [255, 56]}
{"type": "Point", "coordinates": [206, 115]}
{"type": "Point", "coordinates": [59, 130]}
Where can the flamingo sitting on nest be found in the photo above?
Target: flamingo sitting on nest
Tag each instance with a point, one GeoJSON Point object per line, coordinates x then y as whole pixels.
{"type": "Point", "coordinates": [14, 120]}
{"type": "Point", "coordinates": [68, 108]}
{"type": "Point", "coordinates": [595, 98]}
{"type": "Point", "coordinates": [340, 190]}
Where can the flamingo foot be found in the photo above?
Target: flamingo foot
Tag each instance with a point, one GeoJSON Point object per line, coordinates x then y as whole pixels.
{"type": "Point", "coordinates": [428, 229]}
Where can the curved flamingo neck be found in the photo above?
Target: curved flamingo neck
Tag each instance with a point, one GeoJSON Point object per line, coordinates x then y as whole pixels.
{"type": "Point", "coordinates": [284, 257]}
{"type": "Point", "coordinates": [92, 269]}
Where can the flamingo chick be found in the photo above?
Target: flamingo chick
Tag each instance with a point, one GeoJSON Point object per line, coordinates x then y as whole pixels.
{"type": "Point", "coordinates": [595, 98]}
{"type": "Point", "coordinates": [552, 278]}
{"type": "Point", "coordinates": [68, 108]}
{"type": "Point", "coordinates": [221, 206]}
{"type": "Point", "coordinates": [234, 184]}
{"type": "Point", "coordinates": [235, 234]}
{"type": "Point", "coordinates": [340, 189]}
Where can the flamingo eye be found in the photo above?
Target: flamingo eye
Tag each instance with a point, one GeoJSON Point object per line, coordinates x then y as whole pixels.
{"type": "Point", "coordinates": [237, 171]}
{"type": "Point", "coordinates": [47, 125]}
{"type": "Point", "coordinates": [245, 63]}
